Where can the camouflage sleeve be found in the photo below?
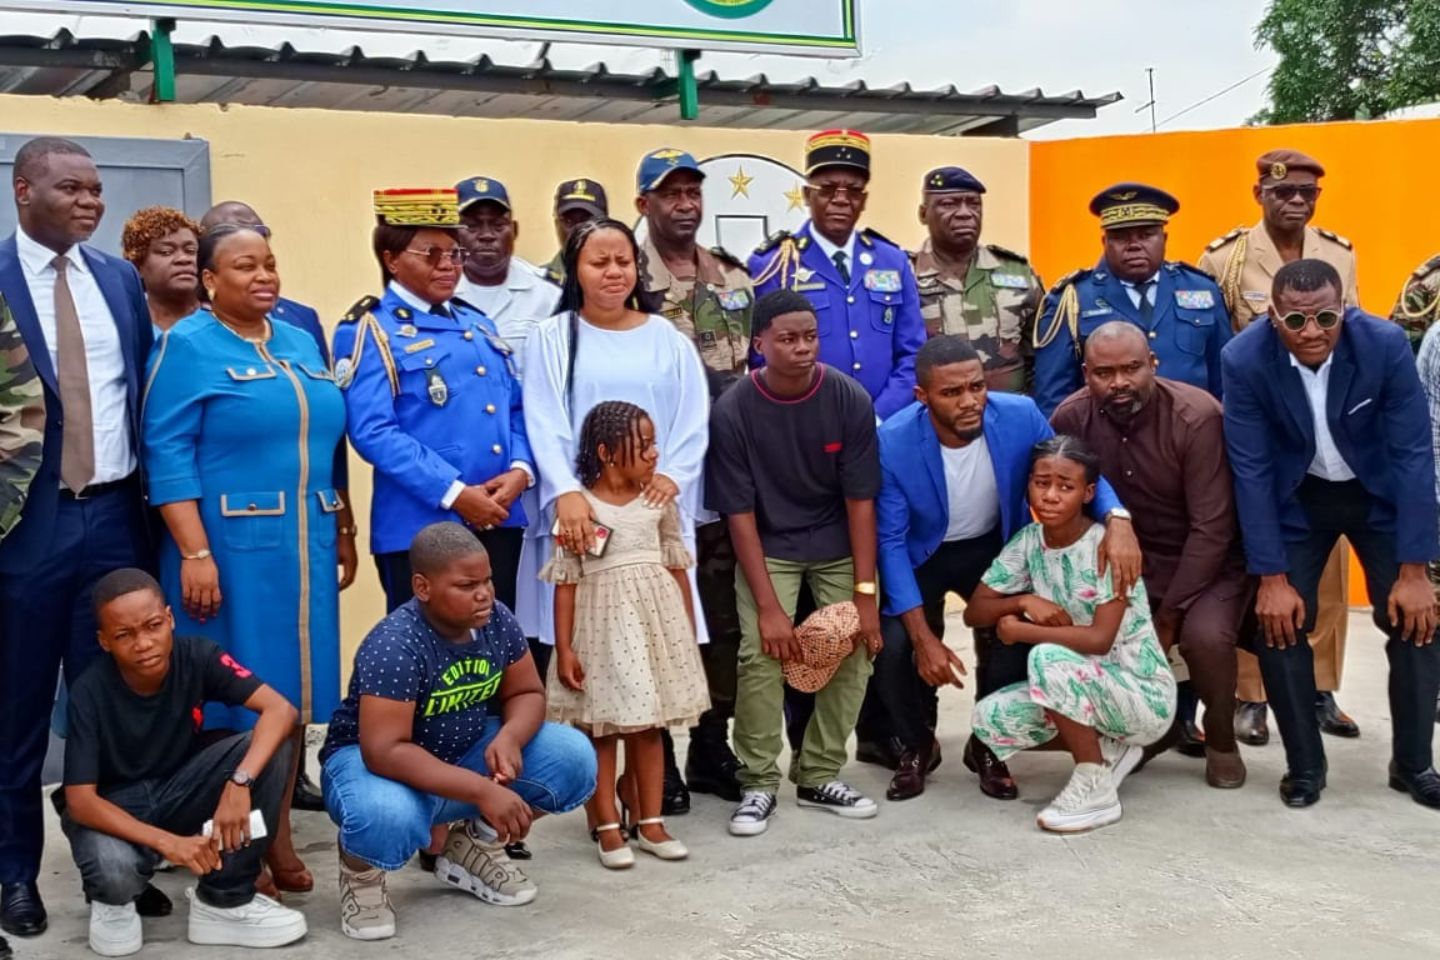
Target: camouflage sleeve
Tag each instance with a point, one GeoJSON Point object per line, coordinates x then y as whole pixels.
{"type": "Point", "coordinates": [22, 421]}
{"type": "Point", "coordinates": [1415, 307]}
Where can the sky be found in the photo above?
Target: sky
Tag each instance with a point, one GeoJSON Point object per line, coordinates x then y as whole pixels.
{"type": "Point", "coordinates": [1197, 47]}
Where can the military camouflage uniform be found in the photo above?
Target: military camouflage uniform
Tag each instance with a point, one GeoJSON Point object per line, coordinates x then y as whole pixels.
{"type": "Point", "coordinates": [554, 271]}
{"type": "Point", "coordinates": [994, 307]}
{"type": "Point", "coordinates": [1418, 303]}
{"type": "Point", "coordinates": [22, 421]}
{"type": "Point", "coordinates": [713, 310]}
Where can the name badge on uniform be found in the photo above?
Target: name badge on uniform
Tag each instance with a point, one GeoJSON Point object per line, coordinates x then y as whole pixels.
{"type": "Point", "coordinates": [1100, 311]}
{"type": "Point", "coordinates": [1009, 281]}
{"type": "Point", "coordinates": [1194, 299]}
{"type": "Point", "coordinates": [419, 345]}
{"type": "Point", "coordinates": [885, 281]}
{"type": "Point", "coordinates": [733, 299]}
{"type": "Point", "coordinates": [1256, 296]}
{"type": "Point", "coordinates": [807, 287]}
{"type": "Point", "coordinates": [439, 392]}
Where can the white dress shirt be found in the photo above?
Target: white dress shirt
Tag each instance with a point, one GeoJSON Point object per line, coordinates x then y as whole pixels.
{"type": "Point", "coordinates": [104, 358]}
{"type": "Point", "coordinates": [974, 499]}
{"type": "Point", "coordinates": [1133, 290]}
{"type": "Point", "coordinates": [457, 487]}
{"type": "Point", "coordinates": [517, 305]}
{"type": "Point", "coordinates": [829, 249]}
{"type": "Point", "coordinates": [1328, 463]}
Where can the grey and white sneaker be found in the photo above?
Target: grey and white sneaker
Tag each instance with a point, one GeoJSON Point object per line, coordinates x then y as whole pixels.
{"type": "Point", "coordinates": [1088, 801]}
{"type": "Point", "coordinates": [260, 923]}
{"type": "Point", "coordinates": [115, 929]}
{"type": "Point", "coordinates": [365, 910]}
{"type": "Point", "coordinates": [839, 798]}
{"type": "Point", "coordinates": [1122, 758]}
{"type": "Point", "coordinates": [480, 866]}
{"type": "Point", "coordinates": [752, 817]}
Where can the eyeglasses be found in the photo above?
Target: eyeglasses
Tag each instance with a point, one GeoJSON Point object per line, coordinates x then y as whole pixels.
{"type": "Point", "coordinates": [437, 255]}
{"type": "Point", "coordinates": [1286, 192]}
{"type": "Point", "coordinates": [833, 191]}
{"type": "Point", "coordinates": [1324, 319]}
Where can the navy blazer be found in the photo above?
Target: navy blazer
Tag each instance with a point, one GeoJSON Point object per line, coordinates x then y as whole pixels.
{"type": "Point", "coordinates": [913, 508]}
{"type": "Point", "coordinates": [120, 285]}
{"type": "Point", "coordinates": [1378, 419]}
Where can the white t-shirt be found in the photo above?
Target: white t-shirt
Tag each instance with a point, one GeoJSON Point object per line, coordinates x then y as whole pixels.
{"type": "Point", "coordinates": [970, 489]}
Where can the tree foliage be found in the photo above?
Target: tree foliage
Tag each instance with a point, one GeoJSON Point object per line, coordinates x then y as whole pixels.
{"type": "Point", "coordinates": [1350, 59]}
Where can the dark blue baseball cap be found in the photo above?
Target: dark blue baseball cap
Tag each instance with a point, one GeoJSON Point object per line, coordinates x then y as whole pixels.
{"type": "Point", "coordinates": [475, 189]}
{"type": "Point", "coordinates": [659, 164]}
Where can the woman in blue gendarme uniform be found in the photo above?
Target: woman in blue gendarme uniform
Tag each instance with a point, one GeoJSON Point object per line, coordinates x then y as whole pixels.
{"type": "Point", "coordinates": [432, 397]}
{"type": "Point", "coordinates": [241, 421]}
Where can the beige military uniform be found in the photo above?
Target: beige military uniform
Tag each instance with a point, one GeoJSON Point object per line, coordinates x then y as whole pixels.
{"type": "Point", "coordinates": [994, 307]}
{"type": "Point", "coordinates": [1244, 263]}
{"type": "Point", "coordinates": [712, 309]}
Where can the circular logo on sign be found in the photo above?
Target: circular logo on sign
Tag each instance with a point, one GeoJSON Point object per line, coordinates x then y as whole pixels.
{"type": "Point", "coordinates": [730, 9]}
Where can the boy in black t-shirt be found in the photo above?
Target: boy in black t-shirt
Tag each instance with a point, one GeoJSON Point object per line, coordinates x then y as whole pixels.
{"type": "Point", "coordinates": [139, 787]}
{"type": "Point", "coordinates": [794, 466]}
{"type": "Point", "coordinates": [444, 722]}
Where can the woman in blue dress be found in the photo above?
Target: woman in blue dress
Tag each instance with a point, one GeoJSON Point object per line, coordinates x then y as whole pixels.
{"type": "Point", "coordinates": [242, 417]}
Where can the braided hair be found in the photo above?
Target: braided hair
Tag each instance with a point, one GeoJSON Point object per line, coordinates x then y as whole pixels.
{"type": "Point", "coordinates": [1064, 446]}
{"type": "Point", "coordinates": [614, 423]}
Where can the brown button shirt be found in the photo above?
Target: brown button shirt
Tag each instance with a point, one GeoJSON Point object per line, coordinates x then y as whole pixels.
{"type": "Point", "coordinates": [1168, 466]}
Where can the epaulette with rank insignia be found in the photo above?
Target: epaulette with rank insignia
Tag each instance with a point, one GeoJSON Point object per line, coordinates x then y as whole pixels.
{"type": "Point", "coordinates": [362, 306]}
{"type": "Point", "coordinates": [772, 241]}
{"type": "Point", "coordinates": [1229, 237]}
{"type": "Point", "coordinates": [554, 276]}
{"type": "Point", "coordinates": [1427, 268]}
{"type": "Point", "coordinates": [1329, 235]}
{"type": "Point", "coordinates": [869, 235]}
{"type": "Point", "coordinates": [1067, 312]}
{"type": "Point", "coordinates": [1001, 252]}
{"type": "Point", "coordinates": [727, 256]}
{"type": "Point", "coordinates": [1067, 279]}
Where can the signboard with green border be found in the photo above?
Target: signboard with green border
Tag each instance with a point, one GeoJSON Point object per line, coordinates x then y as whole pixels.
{"type": "Point", "coordinates": [820, 28]}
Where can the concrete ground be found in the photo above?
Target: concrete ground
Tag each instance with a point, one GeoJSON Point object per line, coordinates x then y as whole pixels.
{"type": "Point", "coordinates": [1190, 872]}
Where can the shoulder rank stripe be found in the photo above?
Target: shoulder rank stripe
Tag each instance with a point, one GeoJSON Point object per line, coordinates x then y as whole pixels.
{"type": "Point", "coordinates": [1329, 235]}
{"type": "Point", "coordinates": [1216, 244]}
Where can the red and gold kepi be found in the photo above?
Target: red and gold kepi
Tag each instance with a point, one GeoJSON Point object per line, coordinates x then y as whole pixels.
{"type": "Point", "coordinates": [838, 148]}
{"type": "Point", "coordinates": [418, 207]}
{"type": "Point", "coordinates": [1133, 205]}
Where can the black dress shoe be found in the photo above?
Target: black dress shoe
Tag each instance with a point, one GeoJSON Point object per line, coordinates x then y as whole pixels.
{"type": "Point", "coordinates": [1333, 720]}
{"type": "Point", "coordinates": [675, 801]}
{"type": "Point", "coordinates": [710, 767]}
{"type": "Point", "coordinates": [307, 795]}
{"type": "Point", "coordinates": [1251, 724]}
{"type": "Point", "coordinates": [884, 753]}
{"type": "Point", "coordinates": [995, 779]}
{"type": "Point", "coordinates": [22, 912]}
{"type": "Point", "coordinates": [909, 779]}
{"type": "Point", "coordinates": [1302, 789]}
{"type": "Point", "coordinates": [1192, 740]}
{"type": "Point", "coordinates": [1424, 787]}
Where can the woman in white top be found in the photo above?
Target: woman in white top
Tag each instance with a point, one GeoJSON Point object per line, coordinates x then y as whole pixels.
{"type": "Point", "coordinates": [603, 344]}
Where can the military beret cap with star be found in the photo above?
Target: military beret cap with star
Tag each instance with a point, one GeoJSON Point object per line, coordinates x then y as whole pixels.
{"type": "Point", "coordinates": [837, 148]}
{"type": "Point", "coordinates": [1133, 204]}
{"type": "Point", "coordinates": [1276, 164]}
{"type": "Point", "coordinates": [951, 180]}
{"type": "Point", "coordinates": [476, 189]}
{"type": "Point", "coordinates": [659, 164]}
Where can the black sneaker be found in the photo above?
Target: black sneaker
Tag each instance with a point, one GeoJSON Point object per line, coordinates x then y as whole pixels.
{"type": "Point", "coordinates": [752, 817]}
{"type": "Point", "coordinates": [839, 798]}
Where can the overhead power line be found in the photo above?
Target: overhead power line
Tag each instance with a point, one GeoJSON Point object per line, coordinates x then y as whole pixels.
{"type": "Point", "coordinates": [1217, 95]}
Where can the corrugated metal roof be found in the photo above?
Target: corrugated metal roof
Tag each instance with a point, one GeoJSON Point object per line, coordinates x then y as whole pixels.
{"type": "Point", "coordinates": [210, 70]}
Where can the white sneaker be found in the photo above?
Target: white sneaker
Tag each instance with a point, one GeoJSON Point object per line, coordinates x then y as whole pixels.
{"type": "Point", "coordinates": [1122, 758]}
{"type": "Point", "coordinates": [260, 923]}
{"type": "Point", "coordinates": [1088, 801]}
{"type": "Point", "coordinates": [115, 930]}
{"type": "Point", "coordinates": [365, 910]}
{"type": "Point", "coordinates": [752, 817]}
{"type": "Point", "coordinates": [483, 868]}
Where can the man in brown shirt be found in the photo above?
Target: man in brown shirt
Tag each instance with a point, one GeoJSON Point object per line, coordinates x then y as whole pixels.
{"type": "Point", "coordinates": [1162, 447]}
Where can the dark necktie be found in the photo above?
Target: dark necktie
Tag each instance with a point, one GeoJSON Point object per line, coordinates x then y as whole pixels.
{"type": "Point", "coordinates": [840, 267]}
{"type": "Point", "coordinates": [440, 310]}
{"type": "Point", "coordinates": [77, 447]}
{"type": "Point", "coordinates": [1147, 309]}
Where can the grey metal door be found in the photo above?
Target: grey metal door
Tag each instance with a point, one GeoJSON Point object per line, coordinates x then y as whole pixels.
{"type": "Point", "coordinates": [137, 173]}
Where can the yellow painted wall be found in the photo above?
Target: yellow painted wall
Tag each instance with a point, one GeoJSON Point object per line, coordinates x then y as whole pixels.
{"type": "Point", "coordinates": [310, 173]}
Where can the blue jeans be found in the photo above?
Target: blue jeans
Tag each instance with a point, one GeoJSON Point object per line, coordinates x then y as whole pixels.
{"type": "Point", "coordinates": [384, 822]}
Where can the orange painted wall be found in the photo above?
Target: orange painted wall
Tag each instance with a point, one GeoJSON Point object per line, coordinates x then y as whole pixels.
{"type": "Point", "coordinates": [1376, 192]}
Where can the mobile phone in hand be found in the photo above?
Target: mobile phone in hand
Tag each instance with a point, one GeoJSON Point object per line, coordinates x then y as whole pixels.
{"type": "Point", "coordinates": [602, 538]}
{"type": "Point", "coordinates": [257, 827]}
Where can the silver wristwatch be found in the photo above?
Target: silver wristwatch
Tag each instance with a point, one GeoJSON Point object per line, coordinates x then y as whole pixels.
{"type": "Point", "coordinates": [1119, 513]}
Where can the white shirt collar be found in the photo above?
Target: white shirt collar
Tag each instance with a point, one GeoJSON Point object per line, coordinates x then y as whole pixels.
{"type": "Point", "coordinates": [829, 249]}
{"type": "Point", "coordinates": [1322, 371]}
{"type": "Point", "coordinates": [1153, 278]}
{"type": "Point", "coordinates": [416, 303]}
{"type": "Point", "coordinates": [37, 258]}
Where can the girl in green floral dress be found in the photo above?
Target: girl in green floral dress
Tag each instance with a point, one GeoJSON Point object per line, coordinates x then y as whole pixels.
{"type": "Point", "coordinates": [1098, 678]}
